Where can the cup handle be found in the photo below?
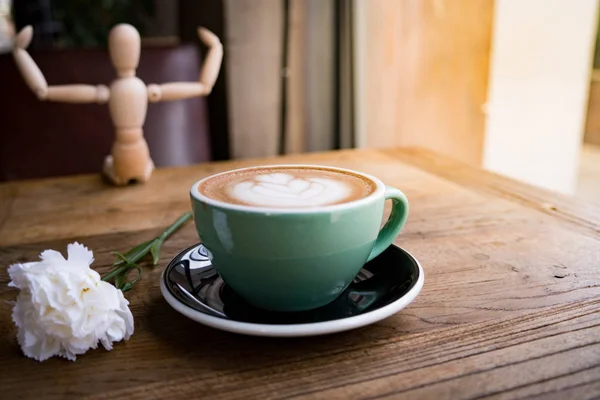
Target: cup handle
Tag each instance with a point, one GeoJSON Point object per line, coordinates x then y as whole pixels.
{"type": "Point", "coordinates": [395, 222]}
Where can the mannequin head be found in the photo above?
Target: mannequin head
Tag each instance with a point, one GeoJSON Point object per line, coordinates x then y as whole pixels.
{"type": "Point", "coordinates": [124, 48]}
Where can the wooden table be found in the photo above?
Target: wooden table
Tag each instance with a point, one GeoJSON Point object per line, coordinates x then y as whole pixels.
{"type": "Point", "coordinates": [510, 306]}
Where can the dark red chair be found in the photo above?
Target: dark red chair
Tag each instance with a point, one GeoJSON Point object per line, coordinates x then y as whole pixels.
{"type": "Point", "coordinates": [44, 139]}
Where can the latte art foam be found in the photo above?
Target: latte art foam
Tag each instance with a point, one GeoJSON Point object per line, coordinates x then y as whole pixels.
{"type": "Point", "coordinates": [281, 189]}
{"type": "Point", "coordinates": [287, 187]}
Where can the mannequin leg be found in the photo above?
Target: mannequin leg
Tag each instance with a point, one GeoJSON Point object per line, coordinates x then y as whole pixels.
{"type": "Point", "coordinates": [129, 163]}
{"type": "Point", "coordinates": [109, 171]}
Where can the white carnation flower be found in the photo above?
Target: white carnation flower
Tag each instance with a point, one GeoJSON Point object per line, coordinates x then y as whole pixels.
{"type": "Point", "coordinates": [64, 308]}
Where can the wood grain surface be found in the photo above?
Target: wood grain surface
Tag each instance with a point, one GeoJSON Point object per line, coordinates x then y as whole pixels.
{"type": "Point", "coordinates": [422, 73]}
{"type": "Point", "coordinates": [510, 307]}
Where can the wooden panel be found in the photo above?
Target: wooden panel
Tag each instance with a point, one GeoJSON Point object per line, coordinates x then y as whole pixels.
{"type": "Point", "coordinates": [424, 75]}
{"type": "Point", "coordinates": [346, 71]}
{"type": "Point", "coordinates": [588, 177]}
{"type": "Point", "coordinates": [319, 78]}
{"type": "Point", "coordinates": [256, 50]}
{"type": "Point", "coordinates": [295, 139]}
{"type": "Point", "coordinates": [592, 125]}
{"type": "Point", "coordinates": [254, 46]}
{"type": "Point", "coordinates": [311, 106]}
{"type": "Point", "coordinates": [509, 307]}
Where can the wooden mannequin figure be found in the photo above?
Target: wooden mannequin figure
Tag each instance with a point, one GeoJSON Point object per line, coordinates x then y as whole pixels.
{"type": "Point", "coordinates": [127, 95]}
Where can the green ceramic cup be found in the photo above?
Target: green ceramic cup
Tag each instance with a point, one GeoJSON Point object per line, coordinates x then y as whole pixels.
{"type": "Point", "coordinates": [293, 260]}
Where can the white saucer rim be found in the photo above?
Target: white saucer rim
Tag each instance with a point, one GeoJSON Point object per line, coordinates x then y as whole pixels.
{"type": "Point", "coordinates": [298, 330]}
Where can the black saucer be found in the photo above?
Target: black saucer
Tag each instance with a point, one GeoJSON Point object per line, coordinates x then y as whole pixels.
{"type": "Point", "coordinates": [382, 283]}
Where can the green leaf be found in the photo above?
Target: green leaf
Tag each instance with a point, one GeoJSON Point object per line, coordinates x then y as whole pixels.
{"type": "Point", "coordinates": [116, 271]}
{"type": "Point", "coordinates": [138, 252]}
{"type": "Point", "coordinates": [128, 285]}
{"type": "Point", "coordinates": [139, 248]}
{"type": "Point", "coordinates": [155, 251]}
{"type": "Point", "coordinates": [121, 257]}
{"type": "Point", "coordinates": [119, 281]}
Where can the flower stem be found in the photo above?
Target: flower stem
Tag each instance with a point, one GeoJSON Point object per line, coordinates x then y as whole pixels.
{"type": "Point", "coordinates": [113, 273]}
{"type": "Point", "coordinates": [126, 262]}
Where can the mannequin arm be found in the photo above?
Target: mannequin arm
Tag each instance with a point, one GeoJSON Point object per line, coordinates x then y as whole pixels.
{"type": "Point", "coordinates": [37, 83]}
{"type": "Point", "coordinates": [176, 91]}
{"type": "Point", "coordinates": [208, 74]}
{"type": "Point", "coordinates": [78, 94]}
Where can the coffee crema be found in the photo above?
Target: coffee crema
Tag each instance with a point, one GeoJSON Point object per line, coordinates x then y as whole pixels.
{"type": "Point", "coordinates": [287, 187]}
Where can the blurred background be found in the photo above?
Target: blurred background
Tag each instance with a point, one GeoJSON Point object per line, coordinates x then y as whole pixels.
{"type": "Point", "coordinates": [509, 85]}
